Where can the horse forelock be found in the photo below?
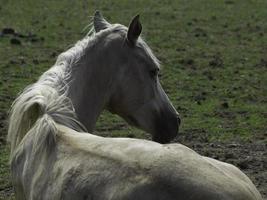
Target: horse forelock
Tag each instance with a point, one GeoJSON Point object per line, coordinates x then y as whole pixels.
{"type": "Point", "coordinates": [142, 44]}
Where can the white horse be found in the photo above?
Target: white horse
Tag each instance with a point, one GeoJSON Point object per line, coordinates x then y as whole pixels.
{"type": "Point", "coordinates": [53, 158]}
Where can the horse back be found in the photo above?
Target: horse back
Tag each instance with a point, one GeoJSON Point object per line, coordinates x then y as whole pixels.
{"type": "Point", "coordinates": [84, 166]}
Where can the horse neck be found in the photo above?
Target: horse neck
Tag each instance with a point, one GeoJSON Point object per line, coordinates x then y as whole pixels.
{"type": "Point", "coordinates": [90, 88]}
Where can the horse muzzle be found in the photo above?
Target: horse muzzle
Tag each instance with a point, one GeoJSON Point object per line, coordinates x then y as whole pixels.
{"type": "Point", "coordinates": [166, 129]}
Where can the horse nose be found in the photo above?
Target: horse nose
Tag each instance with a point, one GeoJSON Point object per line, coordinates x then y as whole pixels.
{"type": "Point", "coordinates": [173, 126]}
{"type": "Point", "coordinates": [166, 127]}
{"type": "Point", "coordinates": [178, 119]}
{"type": "Point", "coordinates": [177, 123]}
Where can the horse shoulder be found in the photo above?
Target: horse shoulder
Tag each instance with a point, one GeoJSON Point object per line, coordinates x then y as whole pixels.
{"type": "Point", "coordinates": [97, 167]}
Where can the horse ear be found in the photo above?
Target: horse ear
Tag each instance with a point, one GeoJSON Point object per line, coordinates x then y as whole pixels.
{"type": "Point", "coordinates": [99, 22]}
{"type": "Point", "coordinates": [134, 30]}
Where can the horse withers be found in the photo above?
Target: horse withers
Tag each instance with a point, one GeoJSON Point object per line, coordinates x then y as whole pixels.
{"type": "Point", "coordinates": [53, 156]}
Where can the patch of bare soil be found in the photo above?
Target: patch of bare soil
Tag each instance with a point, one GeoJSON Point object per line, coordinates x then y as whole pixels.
{"type": "Point", "coordinates": [7, 193]}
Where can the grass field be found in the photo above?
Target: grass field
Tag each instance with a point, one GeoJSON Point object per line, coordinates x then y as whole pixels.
{"type": "Point", "coordinates": [213, 53]}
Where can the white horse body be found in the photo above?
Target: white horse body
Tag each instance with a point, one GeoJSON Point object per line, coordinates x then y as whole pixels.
{"type": "Point", "coordinates": [52, 156]}
{"type": "Point", "coordinates": [84, 166]}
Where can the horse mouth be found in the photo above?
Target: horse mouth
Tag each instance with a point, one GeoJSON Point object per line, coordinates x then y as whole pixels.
{"type": "Point", "coordinates": [164, 130]}
{"type": "Point", "coordinates": [167, 130]}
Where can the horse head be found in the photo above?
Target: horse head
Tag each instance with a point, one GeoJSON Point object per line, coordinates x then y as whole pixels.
{"type": "Point", "coordinates": [136, 95]}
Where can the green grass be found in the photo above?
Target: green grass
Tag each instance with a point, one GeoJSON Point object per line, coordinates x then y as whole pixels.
{"type": "Point", "coordinates": [213, 54]}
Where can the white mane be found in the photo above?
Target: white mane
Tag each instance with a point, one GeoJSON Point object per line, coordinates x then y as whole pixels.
{"type": "Point", "coordinates": [47, 98]}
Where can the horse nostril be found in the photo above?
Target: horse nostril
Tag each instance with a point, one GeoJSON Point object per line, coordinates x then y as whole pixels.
{"type": "Point", "coordinates": [178, 120]}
